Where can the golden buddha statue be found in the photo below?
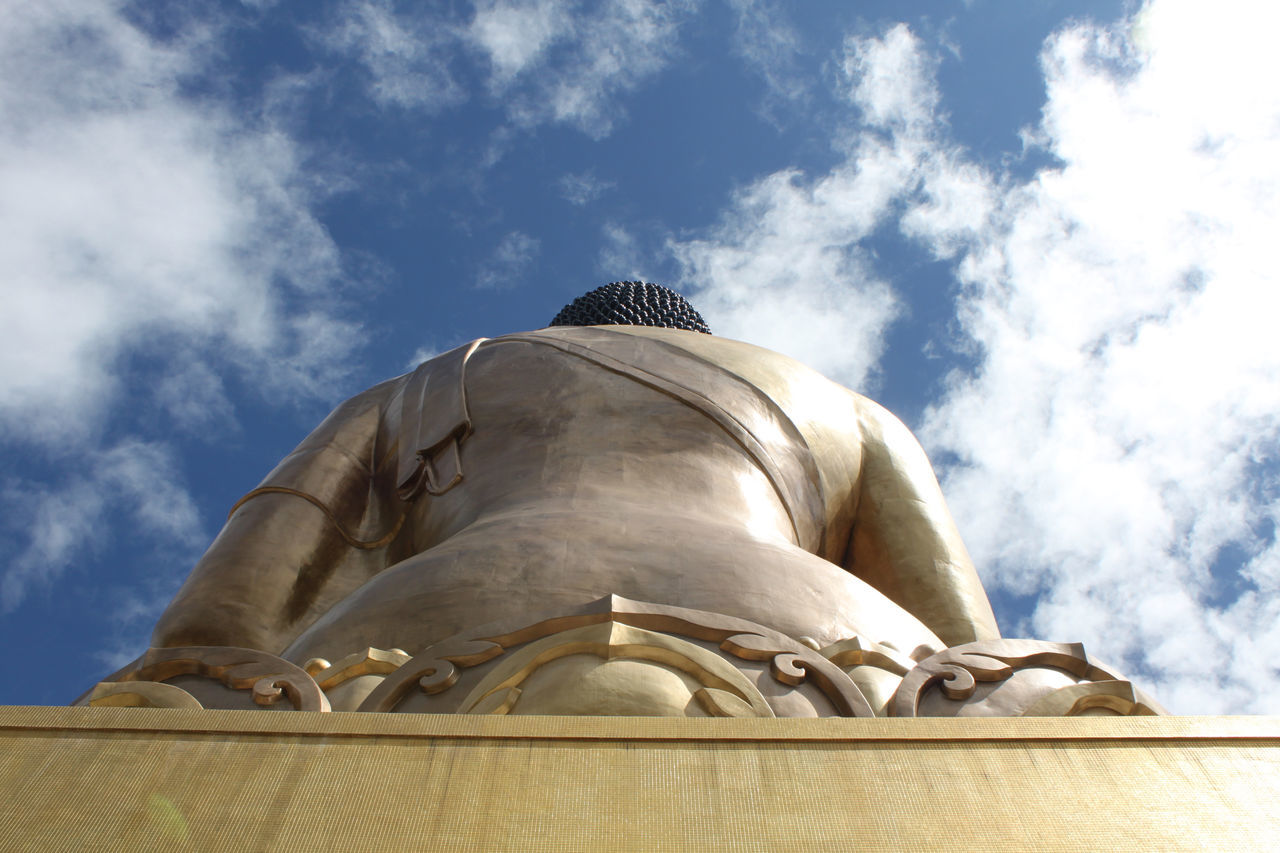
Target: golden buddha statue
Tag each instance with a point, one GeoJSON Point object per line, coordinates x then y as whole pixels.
{"type": "Point", "coordinates": [617, 514]}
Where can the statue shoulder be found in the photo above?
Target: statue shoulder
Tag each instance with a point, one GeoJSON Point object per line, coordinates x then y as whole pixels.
{"type": "Point", "coordinates": [805, 394]}
{"type": "Point", "coordinates": [371, 403]}
{"type": "Point", "coordinates": [361, 428]}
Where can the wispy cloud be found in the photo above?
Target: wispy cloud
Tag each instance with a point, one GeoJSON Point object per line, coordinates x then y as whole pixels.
{"type": "Point", "coordinates": [770, 45]}
{"type": "Point", "coordinates": [426, 352]}
{"type": "Point", "coordinates": [582, 188]}
{"type": "Point", "coordinates": [580, 57]}
{"type": "Point", "coordinates": [194, 398]}
{"type": "Point", "coordinates": [515, 36]}
{"type": "Point", "coordinates": [560, 61]}
{"type": "Point", "coordinates": [406, 57]}
{"type": "Point", "coordinates": [508, 266]}
{"type": "Point", "coordinates": [626, 256]}
{"type": "Point", "coordinates": [64, 525]}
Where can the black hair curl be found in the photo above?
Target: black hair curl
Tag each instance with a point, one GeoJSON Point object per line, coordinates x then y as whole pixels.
{"type": "Point", "coordinates": [632, 303]}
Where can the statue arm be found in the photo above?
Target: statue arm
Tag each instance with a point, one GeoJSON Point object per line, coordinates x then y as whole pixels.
{"type": "Point", "coordinates": [309, 534]}
{"type": "Point", "coordinates": [904, 540]}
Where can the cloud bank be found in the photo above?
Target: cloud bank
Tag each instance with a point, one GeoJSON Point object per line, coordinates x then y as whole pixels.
{"type": "Point", "coordinates": [1117, 446]}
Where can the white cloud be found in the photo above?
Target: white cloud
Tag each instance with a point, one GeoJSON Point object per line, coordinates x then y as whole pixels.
{"type": "Point", "coordinates": [132, 213]}
{"type": "Point", "coordinates": [892, 79]}
{"type": "Point", "coordinates": [1118, 442]}
{"type": "Point", "coordinates": [582, 188]}
{"type": "Point", "coordinates": [515, 35]}
{"type": "Point", "coordinates": [508, 266]}
{"type": "Point", "coordinates": [145, 230]}
{"type": "Point", "coordinates": [786, 268]}
{"type": "Point", "coordinates": [1117, 445]}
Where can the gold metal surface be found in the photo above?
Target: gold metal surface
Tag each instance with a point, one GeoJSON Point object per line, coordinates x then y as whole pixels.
{"type": "Point", "coordinates": [158, 779]}
{"type": "Point", "coordinates": [544, 470]}
{"type": "Point", "coordinates": [722, 498]}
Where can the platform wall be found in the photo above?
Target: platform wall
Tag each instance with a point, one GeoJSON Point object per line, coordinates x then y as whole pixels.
{"type": "Point", "coordinates": [151, 779]}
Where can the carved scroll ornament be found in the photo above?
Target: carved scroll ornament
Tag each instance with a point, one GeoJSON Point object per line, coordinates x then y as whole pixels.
{"type": "Point", "coordinates": [957, 671]}
{"type": "Point", "coordinates": [437, 668]}
{"type": "Point", "coordinates": [1057, 679]}
{"type": "Point", "coordinates": [268, 677]}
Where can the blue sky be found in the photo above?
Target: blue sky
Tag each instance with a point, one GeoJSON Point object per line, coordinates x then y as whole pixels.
{"type": "Point", "coordinates": [1039, 232]}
